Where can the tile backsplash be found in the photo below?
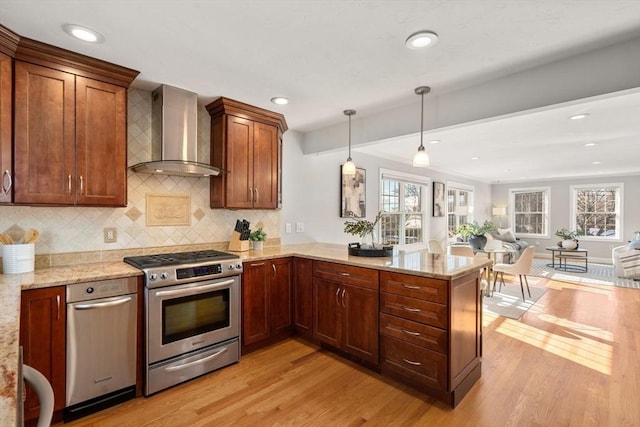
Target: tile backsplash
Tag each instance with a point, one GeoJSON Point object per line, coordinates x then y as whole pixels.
{"type": "Point", "coordinates": [80, 229]}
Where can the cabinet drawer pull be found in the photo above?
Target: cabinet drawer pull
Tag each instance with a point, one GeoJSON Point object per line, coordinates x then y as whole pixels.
{"type": "Point", "coordinates": [69, 183]}
{"type": "Point", "coordinates": [342, 273]}
{"type": "Point", "coordinates": [415, 334]}
{"type": "Point", "coordinates": [410, 362]}
{"type": "Point", "coordinates": [6, 178]}
{"type": "Point", "coordinates": [410, 286]}
{"type": "Point", "coordinates": [413, 310]}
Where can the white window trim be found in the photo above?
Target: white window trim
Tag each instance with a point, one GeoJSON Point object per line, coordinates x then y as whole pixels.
{"type": "Point", "coordinates": [619, 209]}
{"type": "Point", "coordinates": [425, 181]}
{"type": "Point", "coordinates": [458, 186]}
{"type": "Point", "coordinates": [512, 211]}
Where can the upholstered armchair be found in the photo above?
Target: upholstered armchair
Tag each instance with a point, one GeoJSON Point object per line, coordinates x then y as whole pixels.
{"type": "Point", "coordinates": [626, 261]}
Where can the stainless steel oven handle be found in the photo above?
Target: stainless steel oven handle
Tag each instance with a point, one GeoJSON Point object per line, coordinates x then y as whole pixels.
{"type": "Point", "coordinates": [102, 304]}
{"type": "Point", "coordinates": [190, 290]}
{"type": "Point", "coordinates": [195, 362]}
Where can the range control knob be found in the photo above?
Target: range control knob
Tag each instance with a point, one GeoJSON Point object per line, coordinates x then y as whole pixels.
{"type": "Point", "coordinates": [239, 266]}
{"type": "Point", "coordinates": [164, 276]}
{"type": "Point", "coordinates": [153, 276]}
{"type": "Point", "coordinates": [231, 267]}
{"type": "Point", "coordinates": [90, 290]}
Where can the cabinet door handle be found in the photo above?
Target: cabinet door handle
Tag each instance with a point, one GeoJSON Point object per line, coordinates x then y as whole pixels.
{"type": "Point", "coordinates": [256, 199]}
{"type": "Point", "coordinates": [410, 286]}
{"type": "Point", "coordinates": [57, 307]}
{"type": "Point", "coordinates": [69, 183]}
{"type": "Point", "coordinates": [5, 178]}
{"type": "Point", "coordinates": [81, 185]}
{"type": "Point", "coordinates": [343, 292]}
{"type": "Point", "coordinates": [251, 194]}
{"type": "Point", "coordinates": [406, 331]}
{"type": "Point", "coordinates": [411, 362]}
{"type": "Point", "coordinates": [412, 310]}
{"type": "Point", "coordinates": [337, 296]}
{"type": "Point", "coordinates": [274, 270]}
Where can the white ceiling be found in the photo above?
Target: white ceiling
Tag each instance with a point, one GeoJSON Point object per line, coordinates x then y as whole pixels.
{"type": "Point", "coordinates": [329, 55]}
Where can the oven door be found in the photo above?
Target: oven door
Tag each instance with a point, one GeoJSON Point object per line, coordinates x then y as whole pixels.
{"type": "Point", "coordinates": [188, 317]}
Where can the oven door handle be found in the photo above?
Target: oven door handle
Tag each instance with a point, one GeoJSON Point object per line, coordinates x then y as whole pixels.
{"type": "Point", "coordinates": [196, 362]}
{"type": "Point", "coordinates": [189, 291]}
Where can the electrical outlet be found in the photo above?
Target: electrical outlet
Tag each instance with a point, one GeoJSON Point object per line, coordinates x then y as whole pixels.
{"type": "Point", "coordinates": [287, 228]}
{"type": "Point", "coordinates": [299, 227]}
{"type": "Point", "coordinates": [110, 235]}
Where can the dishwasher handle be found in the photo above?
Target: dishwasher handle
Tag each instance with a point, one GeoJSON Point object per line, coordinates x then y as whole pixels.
{"type": "Point", "coordinates": [102, 304]}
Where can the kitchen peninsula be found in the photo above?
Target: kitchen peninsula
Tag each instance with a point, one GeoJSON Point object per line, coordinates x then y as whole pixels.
{"type": "Point", "coordinates": [438, 295]}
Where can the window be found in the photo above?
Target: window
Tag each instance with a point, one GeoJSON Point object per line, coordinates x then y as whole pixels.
{"type": "Point", "coordinates": [459, 205]}
{"type": "Point", "coordinates": [596, 210]}
{"type": "Point", "coordinates": [402, 200]}
{"type": "Point", "coordinates": [530, 211]}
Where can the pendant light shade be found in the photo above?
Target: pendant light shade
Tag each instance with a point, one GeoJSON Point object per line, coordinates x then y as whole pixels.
{"type": "Point", "coordinates": [349, 168]}
{"type": "Point", "coordinates": [421, 158]}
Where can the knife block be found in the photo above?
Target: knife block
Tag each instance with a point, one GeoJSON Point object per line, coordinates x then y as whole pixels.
{"type": "Point", "coordinates": [237, 245]}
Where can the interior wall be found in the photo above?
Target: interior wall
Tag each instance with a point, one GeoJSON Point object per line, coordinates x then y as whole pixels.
{"type": "Point", "coordinates": [311, 193]}
{"type": "Point", "coordinates": [560, 211]}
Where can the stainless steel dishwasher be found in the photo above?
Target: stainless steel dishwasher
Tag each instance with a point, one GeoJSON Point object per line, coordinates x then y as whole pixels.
{"type": "Point", "coordinates": [101, 345]}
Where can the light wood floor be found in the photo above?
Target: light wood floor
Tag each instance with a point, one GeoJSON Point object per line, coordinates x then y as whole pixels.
{"type": "Point", "coordinates": [572, 360]}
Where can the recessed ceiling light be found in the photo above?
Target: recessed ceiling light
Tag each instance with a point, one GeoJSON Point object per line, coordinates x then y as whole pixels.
{"type": "Point", "coordinates": [280, 100]}
{"type": "Point", "coordinates": [83, 33]}
{"type": "Point", "coordinates": [434, 141]}
{"type": "Point", "coordinates": [595, 163]}
{"type": "Point", "coordinates": [579, 116]}
{"type": "Point", "coordinates": [590, 144]}
{"type": "Point", "coordinates": [475, 158]}
{"type": "Point", "coordinates": [507, 170]}
{"type": "Point", "coordinates": [421, 39]}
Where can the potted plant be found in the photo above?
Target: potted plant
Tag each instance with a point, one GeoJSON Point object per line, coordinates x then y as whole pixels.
{"type": "Point", "coordinates": [365, 229]}
{"type": "Point", "coordinates": [569, 238]}
{"type": "Point", "coordinates": [257, 238]}
{"type": "Point", "coordinates": [474, 233]}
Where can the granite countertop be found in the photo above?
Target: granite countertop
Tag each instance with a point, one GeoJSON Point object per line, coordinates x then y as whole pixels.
{"type": "Point", "coordinates": [410, 262]}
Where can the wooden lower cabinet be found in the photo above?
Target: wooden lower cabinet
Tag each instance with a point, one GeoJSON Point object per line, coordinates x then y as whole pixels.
{"type": "Point", "coordinates": [266, 301]}
{"type": "Point", "coordinates": [430, 333]}
{"type": "Point", "coordinates": [43, 341]}
{"type": "Point", "coordinates": [303, 296]}
{"type": "Point", "coordinates": [345, 316]}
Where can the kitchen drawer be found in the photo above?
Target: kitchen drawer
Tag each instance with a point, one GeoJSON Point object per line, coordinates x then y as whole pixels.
{"type": "Point", "coordinates": [413, 332]}
{"type": "Point", "coordinates": [424, 288]}
{"type": "Point", "coordinates": [414, 309]}
{"type": "Point", "coordinates": [347, 274]}
{"type": "Point", "coordinates": [415, 363]}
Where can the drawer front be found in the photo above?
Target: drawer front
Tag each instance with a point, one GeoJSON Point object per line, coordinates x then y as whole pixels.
{"type": "Point", "coordinates": [424, 288]}
{"type": "Point", "coordinates": [416, 363]}
{"type": "Point", "coordinates": [414, 309]}
{"type": "Point", "coordinates": [413, 332]}
{"type": "Point", "coordinates": [357, 276]}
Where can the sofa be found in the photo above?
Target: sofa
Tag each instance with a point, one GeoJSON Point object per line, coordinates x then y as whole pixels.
{"type": "Point", "coordinates": [510, 242]}
{"type": "Point", "coordinates": [626, 260]}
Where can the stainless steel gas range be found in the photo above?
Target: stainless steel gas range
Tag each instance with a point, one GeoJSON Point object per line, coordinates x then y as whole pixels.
{"type": "Point", "coordinates": [192, 314]}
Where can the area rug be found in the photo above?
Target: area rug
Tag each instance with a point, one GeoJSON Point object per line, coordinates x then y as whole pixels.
{"type": "Point", "coordinates": [598, 274]}
{"type": "Point", "coordinates": [508, 301]}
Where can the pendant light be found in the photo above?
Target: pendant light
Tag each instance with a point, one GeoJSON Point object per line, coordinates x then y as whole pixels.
{"type": "Point", "coordinates": [421, 158]}
{"type": "Point", "coordinates": [349, 168]}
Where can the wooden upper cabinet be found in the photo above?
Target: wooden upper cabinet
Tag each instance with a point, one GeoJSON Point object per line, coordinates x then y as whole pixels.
{"type": "Point", "coordinates": [6, 94]}
{"type": "Point", "coordinates": [45, 167]}
{"type": "Point", "coordinates": [246, 143]}
{"type": "Point", "coordinates": [101, 143]}
{"type": "Point", "coordinates": [70, 128]}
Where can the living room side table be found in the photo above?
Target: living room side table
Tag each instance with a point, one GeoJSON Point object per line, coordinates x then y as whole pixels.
{"type": "Point", "coordinates": [563, 254]}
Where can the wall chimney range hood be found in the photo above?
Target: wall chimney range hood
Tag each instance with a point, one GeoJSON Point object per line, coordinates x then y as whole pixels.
{"type": "Point", "coordinates": [174, 135]}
